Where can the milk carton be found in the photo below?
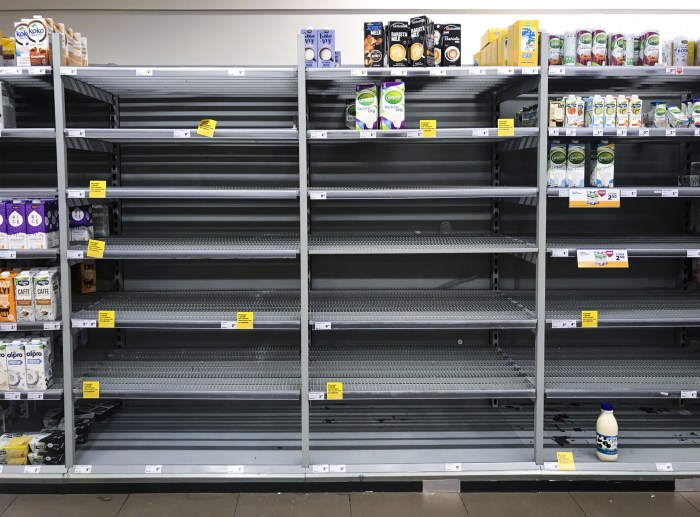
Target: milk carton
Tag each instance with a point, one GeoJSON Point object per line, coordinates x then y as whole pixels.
{"type": "Point", "coordinates": [39, 31]}
{"type": "Point", "coordinates": [556, 165]}
{"type": "Point", "coordinates": [657, 115]}
{"type": "Point", "coordinates": [46, 295]}
{"type": "Point", "coordinates": [38, 366]}
{"type": "Point", "coordinates": [80, 223]}
{"type": "Point", "coordinates": [325, 41]}
{"type": "Point", "coordinates": [40, 231]}
{"type": "Point", "coordinates": [649, 48]}
{"type": "Point", "coordinates": [16, 215]}
{"type": "Point", "coordinates": [22, 43]}
{"type": "Point", "coordinates": [622, 111]}
{"type": "Point", "coordinates": [694, 112]}
{"type": "Point", "coordinates": [3, 226]}
{"type": "Point", "coordinates": [676, 118]}
{"type": "Point", "coordinates": [603, 169]}
{"type": "Point", "coordinates": [580, 111]}
{"type": "Point", "coordinates": [366, 106]}
{"type": "Point", "coordinates": [8, 310]}
{"type": "Point", "coordinates": [392, 105]}
{"type": "Point", "coordinates": [310, 47]}
{"type": "Point", "coordinates": [16, 366]}
{"type": "Point", "coordinates": [635, 111]}
{"type": "Point", "coordinates": [83, 45]}
{"type": "Point", "coordinates": [4, 385]}
{"type": "Point", "coordinates": [595, 111]}
{"type": "Point", "coordinates": [575, 165]}
{"type": "Point", "coordinates": [374, 44]}
{"type": "Point", "coordinates": [571, 113]}
{"type": "Point", "coordinates": [24, 295]}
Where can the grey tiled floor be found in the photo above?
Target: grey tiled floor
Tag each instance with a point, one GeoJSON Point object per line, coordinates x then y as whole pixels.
{"type": "Point", "coordinates": [357, 504]}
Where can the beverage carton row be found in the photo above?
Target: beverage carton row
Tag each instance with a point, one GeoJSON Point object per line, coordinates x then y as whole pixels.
{"type": "Point", "coordinates": [25, 364]}
{"type": "Point", "coordinates": [374, 108]}
{"type": "Point", "coordinates": [31, 45]}
{"type": "Point", "coordinates": [29, 295]}
{"type": "Point", "coordinates": [567, 165]}
{"type": "Point", "coordinates": [28, 224]}
{"type": "Point", "coordinates": [319, 48]}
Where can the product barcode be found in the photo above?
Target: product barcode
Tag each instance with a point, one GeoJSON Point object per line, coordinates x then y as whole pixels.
{"type": "Point", "coordinates": [153, 469]}
{"type": "Point", "coordinates": [438, 71]}
{"type": "Point", "coordinates": [322, 325]}
{"type": "Point", "coordinates": [8, 254]}
{"type": "Point", "coordinates": [12, 395]}
{"type": "Point", "coordinates": [622, 132]}
{"type": "Point", "coordinates": [477, 71]}
{"type": "Point", "coordinates": [144, 71]}
{"type": "Point", "coordinates": [671, 132]}
{"type": "Point", "coordinates": [563, 324]}
{"type": "Point", "coordinates": [236, 72]}
{"type": "Point", "coordinates": [35, 396]}
{"type": "Point", "coordinates": [689, 394]}
{"type": "Point", "coordinates": [83, 469]}
{"type": "Point", "coordinates": [358, 71]}
{"type": "Point", "coordinates": [453, 467]}
{"type": "Point", "coordinates": [32, 469]}
{"type": "Point", "coordinates": [553, 131]}
{"type": "Point", "coordinates": [8, 327]}
{"type": "Point", "coordinates": [235, 469]}
{"type": "Point", "coordinates": [76, 133]}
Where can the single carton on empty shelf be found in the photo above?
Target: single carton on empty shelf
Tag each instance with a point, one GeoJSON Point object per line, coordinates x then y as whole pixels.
{"type": "Point", "coordinates": [16, 366]}
{"type": "Point", "coordinates": [47, 295]}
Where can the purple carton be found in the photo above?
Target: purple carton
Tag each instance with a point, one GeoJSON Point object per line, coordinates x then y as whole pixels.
{"type": "Point", "coordinates": [81, 229]}
{"type": "Point", "coordinates": [310, 47]}
{"type": "Point", "coordinates": [41, 233]}
{"type": "Point", "coordinates": [325, 39]}
{"type": "Point", "coordinates": [3, 226]}
{"type": "Point", "coordinates": [16, 215]}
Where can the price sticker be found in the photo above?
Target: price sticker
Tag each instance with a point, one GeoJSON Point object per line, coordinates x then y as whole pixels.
{"type": "Point", "coordinates": [671, 132]}
{"type": "Point", "coordinates": [674, 70]}
{"type": "Point", "coordinates": [98, 188]}
{"type": "Point", "coordinates": [144, 71]}
{"type": "Point", "coordinates": [690, 394]}
{"type": "Point", "coordinates": [565, 459]}
{"type": "Point", "coordinates": [317, 195]}
{"type": "Point", "coordinates": [563, 324]}
{"type": "Point", "coordinates": [35, 396]}
{"type": "Point", "coordinates": [105, 319]}
{"type": "Point", "coordinates": [207, 127]}
{"type": "Point", "coordinates": [664, 467]}
{"type": "Point", "coordinates": [316, 135]}
{"type": "Point", "coordinates": [317, 395]}
{"type": "Point", "coordinates": [628, 192]}
{"type": "Point", "coordinates": [453, 467]}
{"type": "Point", "coordinates": [235, 72]}
{"type": "Point", "coordinates": [38, 70]}
{"type": "Point", "coordinates": [235, 469]}
{"type": "Point", "coordinates": [560, 253]}
{"type": "Point", "coordinates": [229, 325]}
{"type": "Point", "coordinates": [414, 133]}
{"type": "Point", "coordinates": [153, 469]}
{"type": "Point", "coordinates": [598, 131]}
{"type": "Point", "coordinates": [334, 391]}
{"type": "Point", "coordinates": [91, 389]}
{"type": "Point", "coordinates": [530, 70]}
{"type": "Point", "coordinates": [8, 327]}
{"type": "Point", "coordinates": [478, 133]}
{"type": "Point", "coordinates": [506, 127]}
{"type": "Point", "coordinates": [693, 254]}
{"type": "Point", "coordinates": [557, 70]}
{"type": "Point", "coordinates": [589, 319]}
{"type": "Point", "coordinates": [69, 70]}
{"type": "Point", "coordinates": [14, 70]}
{"type": "Point", "coordinates": [245, 320]}
{"type": "Point", "coordinates": [368, 134]}
{"type": "Point", "coordinates": [429, 128]}
{"type": "Point", "coordinates": [337, 469]}
{"type": "Point", "coordinates": [32, 469]}
{"type": "Point", "coordinates": [553, 131]}
{"type": "Point", "coordinates": [598, 259]}
{"type": "Point", "coordinates": [400, 72]}
{"type": "Point", "coordinates": [477, 71]}
{"type": "Point", "coordinates": [563, 192]}
{"type": "Point", "coordinates": [75, 254]}
{"type": "Point", "coordinates": [322, 325]}
{"type": "Point", "coordinates": [551, 465]}
{"type": "Point", "coordinates": [697, 132]}
{"type": "Point", "coordinates": [358, 72]}
{"type": "Point", "coordinates": [643, 131]}
{"type": "Point", "coordinates": [505, 70]}
{"type": "Point", "coordinates": [12, 395]}
{"type": "Point", "coordinates": [320, 469]}
{"type": "Point", "coordinates": [52, 325]}
{"type": "Point", "coordinates": [83, 324]}
{"type": "Point", "coordinates": [96, 249]}
{"type": "Point", "coordinates": [669, 192]}
{"type": "Point", "coordinates": [75, 193]}
{"type": "Point", "coordinates": [622, 131]}
{"type": "Point", "coordinates": [181, 133]}
{"type": "Point", "coordinates": [83, 469]}
{"type": "Point", "coordinates": [594, 198]}
{"type": "Point", "coordinates": [570, 131]}
{"type": "Point", "coordinates": [438, 71]}
{"type": "Point", "coordinates": [75, 133]}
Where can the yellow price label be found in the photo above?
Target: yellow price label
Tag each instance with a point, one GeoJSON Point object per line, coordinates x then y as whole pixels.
{"type": "Point", "coordinates": [105, 319]}
{"type": "Point", "coordinates": [91, 389]}
{"type": "Point", "coordinates": [429, 128]}
{"type": "Point", "coordinates": [206, 127]}
{"type": "Point", "coordinates": [506, 127]}
{"type": "Point", "coordinates": [334, 391]}
{"type": "Point", "coordinates": [589, 319]}
{"type": "Point", "coordinates": [244, 320]}
{"type": "Point", "coordinates": [98, 188]}
{"type": "Point", "coordinates": [565, 459]}
{"type": "Point", "coordinates": [96, 249]}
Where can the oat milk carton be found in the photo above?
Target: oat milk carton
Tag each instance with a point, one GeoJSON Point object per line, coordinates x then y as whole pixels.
{"type": "Point", "coordinates": [38, 365]}
{"type": "Point", "coordinates": [4, 385]}
{"type": "Point", "coordinates": [46, 295]}
{"type": "Point", "coordinates": [575, 165]}
{"type": "Point", "coordinates": [8, 310]}
{"type": "Point", "coordinates": [603, 169]}
{"type": "Point", "coordinates": [366, 106]}
{"type": "Point", "coordinates": [16, 366]}
{"type": "Point", "coordinates": [24, 295]}
{"type": "Point", "coordinates": [392, 105]}
{"type": "Point", "coordinates": [40, 231]}
{"type": "Point", "coordinates": [81, 227]}
{"type": "Point", "coordinates": [556, 166]}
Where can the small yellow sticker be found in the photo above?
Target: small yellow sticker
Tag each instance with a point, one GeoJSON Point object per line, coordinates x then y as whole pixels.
{"type": "Point", "coordinates": [98, 188]}
{"type": "Point", "coordinates": [566, 460]}
{"type": "Point", "coordinates": [244, 320]}
{"type": "Point", "coordinates": [506, 127]}
{"type": "Point", "coordinates": [334, 391]}
{"type": "Point", "coordinates": [91, 389]}
{"type": "Point", "coordinates": [429, 128]}
{"type": "Point", "coordinates": [96, 249]}
{"type": "Point", "coordinates": [589, 319]}
{"type": "Point", "coordinates": [207, 127]}
{"type": "Point", "coordinates": [105, 319]}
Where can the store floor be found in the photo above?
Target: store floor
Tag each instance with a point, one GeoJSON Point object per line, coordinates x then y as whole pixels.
{"type": "Point", "coordinates": [356, 504]}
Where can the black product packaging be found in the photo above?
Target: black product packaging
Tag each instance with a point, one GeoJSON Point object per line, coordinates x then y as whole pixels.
{"type": "Point", "coordinates": [437, 43]}
{"type": "Point", "coordinates": [452, 45]}
{"type": "Point", "coordinates": [374, 44]}
{"type": "Point", "coordinates": [422, 41]}
{"type": "Point", "coordinates": [398, 42]}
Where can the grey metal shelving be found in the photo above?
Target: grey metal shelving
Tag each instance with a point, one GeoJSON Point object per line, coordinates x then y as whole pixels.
{"type": "Point", "coordinates": [322, 193]}
{"type": "Point", "coordinates": [47, 394]}
{"type": "Point", "coordinates": [188, 193]}
{"type": "Point", "coordinates": [486, 74]}
{"type": "Point", "coordinates": [668, 135]}
{"type": "Point", "coordinates": [177, 136]}
{"type": "Point", "coordinates": [632, 191]}
{"type": "Point", "coordinates": [27, 192]}
{"type": "Point", "coordinates": [680, 246]}
{"type": "Point", "coordinates": [28, 76]}
{"type": "Point", "coordinates": [484, 134]}
{"type": "Point", "coordinates": [28, 133]}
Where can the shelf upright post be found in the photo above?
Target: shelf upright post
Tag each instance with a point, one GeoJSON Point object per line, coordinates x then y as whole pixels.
{"type": "Point", "coordinates": [540, 273]}
{"type": "Point", "coordinates": [303, 253]}
{"type": "Point", "coordinates": [62, 183]}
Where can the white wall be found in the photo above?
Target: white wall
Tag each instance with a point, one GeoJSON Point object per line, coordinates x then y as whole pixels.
{"type": "Point", "coordinates": [248, 32]}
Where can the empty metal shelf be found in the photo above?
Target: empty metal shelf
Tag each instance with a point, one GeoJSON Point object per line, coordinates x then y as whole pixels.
{"type": "Point", "coordinates": [255, 246]}
{"type": "Point", "coordinates": [27, 76]}
{"type": "Point", "coordinates": [472, 134]}
{"type": "Point", "coordinates": [407, 309]}
{"type": "Point", "coordinates": [190, 309]}
{"type": "Point", "coordinates": [651, 246]}
{"type": "Point", "coordinates": [171, 136]}
{"type": "Point", "coordinates": [14, 193]}
{"type": "Point", "coordinates": [189, 193]}
{"type": "Point", "coordinates": [417, 242]}
{"type": "Point", "coordinates": [55, 392]}
{"type": "Point", "coordinates": [27, 254]}
{"type": "Point", "coordinates": [321, 193]}
{"type": "Point", "coordinates": [639, 192]}
{"type": "Point", "coordinates": [28, 133]}
{"type": "Point", "coordinates": [421, 371]}
{"type": "Point", "coordinates": [477, 74]}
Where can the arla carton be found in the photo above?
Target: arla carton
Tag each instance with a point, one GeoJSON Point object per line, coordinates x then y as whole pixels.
{"type": "Point", "coordinates": [40, 231]}
{"type": "Point", "coordinates": [392, 107]}
{"type": "Point", "coordinates": [81, 227]}
{"type": "Point", "coordinates": [366, 106]}
{"type": "Point", "coordinates": [16, 366]}
{"type": "Point", "coordinates": [3, 227]}
{"type": "Point", "coordinates": [38, 365]}
{"type": "Point", "coordinates": [523, 48]}
{"type": "Point", "coordinates": [325, 41]}
{"type": "Point", "coordinates": [603, 165]}
{"type": "Point", "coordinates": [556, 166]}
{"type": "Point", "coordinates": [8, 310]}
{"type": "Point", "coordinates": [3, 366]}
{"type": "Point", "coordinates": [46, 295]}
{"type": "Point", "coordinates": [310, 47]}
{"type": "Point", "coordinates": [575, 165]}
{"type": "Point", "coordinates": [350, 114]}
{"type": "Point", "coordinates": [24, 295]}
{"type": "Point", "coordinates": [374, 44]}
{"type": "Point", "coordinates": [15, 213]}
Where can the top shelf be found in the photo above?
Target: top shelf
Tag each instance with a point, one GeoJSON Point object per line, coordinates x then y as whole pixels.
{"type": "Point", "coordinates": [27, 76]}
{"type": "Point", "coordinates": [455, 71]}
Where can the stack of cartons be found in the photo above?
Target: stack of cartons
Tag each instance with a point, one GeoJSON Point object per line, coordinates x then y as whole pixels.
{"type": "Point", "coordinates": [516, 46]}
{"type": "Point", "coordinates": [32, 43]}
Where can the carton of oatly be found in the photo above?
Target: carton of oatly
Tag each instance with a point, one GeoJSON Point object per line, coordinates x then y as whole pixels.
{"type": "Point", "coordinates": [15, 212]}
{"type": "Point", "coordinates": [38, 366]}
{"type": "Point", "coordinates": [326, 48]}
{"type": "Point", "coordinates": [422, 41]}
{"type": "Point", "coordinates": [3, 365]}
{"type": "Point", "coordinates": [46, 295]}
{"type": "Point", "coordinates": [374, 44]}
{"type": "Point", "coordinates": [16, 366]}
{"type": "Point", "coordinates": [310, 47]}
{"type": "Point", "coordinates": [452, 45]}
{"type": "Point", "coordinates": [40, 232]}
{"type": "Point", "coordinates": [398, 42]}
{"type": "Point", "coordinates": [24, 295]}
{"type": "Point", "coordinates": [81, 228]}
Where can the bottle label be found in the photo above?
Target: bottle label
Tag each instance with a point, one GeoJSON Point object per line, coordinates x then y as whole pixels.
{"type": "Point", "coordinates": [606, 444]}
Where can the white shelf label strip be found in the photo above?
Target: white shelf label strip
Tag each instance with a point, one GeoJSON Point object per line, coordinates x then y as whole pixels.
{"type": "Point", "coordinates": [317, 195]}
{"type": "Point", "coordinates": [35, 396]}
{"type": "Point", "coordinates": [453, 467]}
{"type": "Point", "coordinates": [315, 135]}
{"type": "Point", "coordinates": [689, 394]}
{"type": "Point", "coordinates": [551, 465]}
{"type": "Point", "coordinates": [317, 395]}
{"type": "Point", "coordinates": [75, 254]}
{"type": "Point", "coordinates": [322, 325]}
{"type": "Point", "coordinates": [628, 192]}
{"type": "Point", "coordinates": [83, 469]}
{"type": "Point", "coordinates": [76, 133]}
{"type": "Point", "coordinates": [320, 469]}
{"type": "Point", "coordinates": [669, 192]}
{"type": "Point", "coordinates": [235, 469]}
{"type": "Point", "coordinates": [153, 469]}
{"type": "Point", "coordinates": [32, 469]}
{"type": "Point", "coordinates": [563, 324]}
{"type": "Point", "coordinates": [358, 72]}
{"type": "Point", "coordinates": [8, 327]}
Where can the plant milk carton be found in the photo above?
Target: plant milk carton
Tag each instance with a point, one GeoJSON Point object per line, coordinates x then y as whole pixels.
{"type": "Point", "coordinates": [595, 111]}
{"type": "Point", "coordinates": [392, 108]}
{"type": "Point", "coordinates": [635, 111]}
{"type": "Point", "coordinates": [603, 169]}
{"type": "Point", "coordinates": [522, 43]}
{"type": "Point", "coordinates": [40, 231]}
{"type": "Point", "coordinates": [8, 309]}
{"type": "Point", "coordinates": [3, 227]}
{"type": "Point", "coordinates": [24, 295]}
{"type": "Point", "coordinates": [571, 113]}
{"type": "Point", "coordinates": [22, 43]}
{"type": "Point", "coordinates": [39, 31]}
{"type": "Point", "coordinates": [610, 111]}
{"type": "Point", "coordinates": [46, 295]}
{"type": "Point", "coordinates": [575, 165]}
{"type": "Point", "coordinates": [366, 106]}
{"type": "Point", "coordinates": [556, 167]}
{"type": "Point", "coordinates": [16, 366]}
{"type": "Point", "coordinates": [3, 365]}
{"type": "Point", "coordinates": [16, 215]}
{"type": "Point", "coordinates": [38, 365]}
{"type": "Point", "coordinates": [325, 41]}
{"type": "Point", "coordinates": [80, 223]}
{"type": "Point", "coordinates": [623, 106]}
{"type": "Point", "coordinates": [310, 47]}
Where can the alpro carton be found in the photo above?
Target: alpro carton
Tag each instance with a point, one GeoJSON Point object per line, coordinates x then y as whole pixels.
{"type": "Point", "coordinates": [310, 47]}
{"type": "Point", "coordinates": [3, 365]}
{"type": "Point", "coordinates": [325, 39]}
{"type": "Point", "coordinates": [392, 109]}
{"type": "Point", "coordinates": [24, 295]}
{"type": "Point", "coordinates": [556, 166]}
{"type": "Point", "coordinates": [422, 41]}
{"type": "Point", "coordinates": [40, 231]}
{"type": "Point", "coordinates": [8, 309]}
{"type": "Point", "coordinates": [16, 366]}
{"type": "Point", "coordinates": [603, 165]}
{"type": "Point", "coordinates": [522, 43]}
{"type": "Point", "coordinates": [575, 165]}
{"type": "Point", "coordinates": [366, 106]}
{"type": "Point", "coordinates": [16, 224]}
{"type": "Point", "coordinates": [46, 295]}
{"type": "Point", "coordinates": [38, 365]}
{"type": "Point", "coordinates": [595, 111]}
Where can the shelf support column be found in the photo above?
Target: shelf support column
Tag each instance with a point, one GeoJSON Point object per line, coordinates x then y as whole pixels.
{"type": "Point", "coordinates": [540, 273]}
{"type": "Point", "coordinates": [62, 183]}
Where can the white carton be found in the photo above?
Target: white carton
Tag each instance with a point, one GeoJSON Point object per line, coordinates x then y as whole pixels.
{"type": "Point", "coordinates": [595, 111]}
{"type": "Point", "coordinates": [4, 385]}
{"type": "Point", "coordinates": [46, 295]}
{"type": "Point", "coordinates": [38, 366]}
{"type": "Point", "coordinates": [366, 107]}
{"type": "Point", "coordinates": [22, 43]}
{"type": "Point", "coordinates": [635, 111]}
{"type": "Point", "coordinates": [83, 44]}
{"type": "Point", "coordinates": [571, 112]}
{"type": "Point", "coordinates": [603, 169]}
{"type": "Point", "coordinates": [24, 296]}
{"type": "Point", "coordinates": [622, 111]}
{"type": "Point", "coordinates": [575, 165]}
{"type": "Point", "coordinates": [610, 111]}
{"type": "Point", "coordinates": [556, 168]}
{"type": "Point", "coordinates": [16, 366]}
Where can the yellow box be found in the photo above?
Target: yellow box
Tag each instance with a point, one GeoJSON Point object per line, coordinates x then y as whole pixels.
{"type": "Point", "coordinates": [523, 45]}
{"type": "Point", "coordinates": [490, 35]}
{"type": "Point", "coordinates": [500, 44]}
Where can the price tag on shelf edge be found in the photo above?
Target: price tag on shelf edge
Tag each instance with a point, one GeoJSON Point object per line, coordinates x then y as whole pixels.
{"type": "Point", "coordinates": [557, 70]}
{"type": "Point", "coordinates": [320, 469]}
{"type": "Point", "coordinates": [477, 70]}
{"type": "Point", "coordinates": [76, 133]}
{"type": "Point", "coordinates": [563, 324]}
{"type": "Point", "coordinates": [181, 133]}
{"type": "Point", "coordinates": [368, 133]}
{"type": "Point", "coordinates": [414, 133]}
{"type": "Point", "coordinates": [594, 198]}
{"type": "Point", "coordinates": [358, 72]}
{"type": "Point", "coordinates": [37, 395]}
{"type": "Point", "coordinates": [598, 131]}
{"type": "Point", "coordinates": [551, 465]}
{"type": "Point", "coordinates": [553, 131]}
{"type": "Point", "coordinates": [337, 469]}
{"type": "Point", "coordinates": [438, 71]}
{"type": "Point", "coordinates": [530, 70]}
{"type": "Point", "coordinates": [69, 70]}
{"type": "Point", "coordinates": [693, 253]}
{"type": "Point", "coordinates": [400, 72]}
{"type": "Point", "coordinates": [622, 131]}
{"type": "Point", "coordinates": [13, 395]}
{"type": "Point", "coordinates": [317, 395]}
{"type": "Point", "coordinates": [75, 254]}
{"type": "Point", "coordinates": [229, 325]}
{"type": "Point", "coordinates": [83, 469]}
{"type": "Point", "coordinates": [144, 71]}
{"type": "Point", "coordinates": [453, 467]}
{"type": "Point", "coordinates": [643, 131]}
{"type": "Point", "coordinates": [560, 253]}
{"type": "Point", "coordinates": [52, 325]}
{"type": "Point", "coordinates": [83, 324]}
{"type": "Point", "coordinates": [570, 131]}
{"type": "Point", "coordinates": [671, 131]}
{"type": "Point", "coordinates": [153, 469]}
{"type": "Point", "coordinates": [689, 394]}
{"type": "Point", "coordinates": [75, 193]}
{"type": "Point", "coordinates": [697, 132]}
{"type": "Point", "coordinates": [505, 70]}
{"type": "Point", "coordinates": [664, 467]}
{"type": "Point", "coordinates": [480, 132]}
{"type": "Point", "coordinates": [8, 327]}
{"type": "Point", "coordinates": [32, 469]}
{"type": "Point", "coordinates": [235, 469]}
{"type": "Point", "coordinates": [236, 72]}
{"type": "Point", "coordinates": [628, 192]}
{"type": "Point", "coordinates": [669, 192]}
{"type": "Point", "coordinates": [316, 135]}
{"type": "Point", "coordinates": [322, 325]}
{"type": "Point", "coordinates": [317, 195]}
{"type": "Point", "coordinates": [599, 259]}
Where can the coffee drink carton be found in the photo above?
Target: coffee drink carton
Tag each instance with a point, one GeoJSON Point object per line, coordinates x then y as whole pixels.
{"type": "Point", "coordinates": [46, 295]}
{"type": "Point", "coordinates": [398, 40]}
{"type": "Point", "coordinates": [452, 45]}
{"type": "Point", "coordinates": [310, 47]}
{"type": "Point", "coordinates": [8, 308]}
{"type": "Point", "coordinates": [422, 41]}
{"type": "Point", "coordinates": [24, 295]}
{"type": "Point", "coordinates": [374, 44]}
{"type": "Point", "coordinates": [437, 43]}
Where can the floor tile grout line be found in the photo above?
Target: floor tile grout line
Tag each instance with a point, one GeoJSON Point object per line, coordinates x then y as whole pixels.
{"type": "Point", "coordinates": [464, 503]}
{"type": "Point", "coordinates": [235, 507]}
{"type": "Point", "coordinates": [689, 501]}
{"type": "Point", "coordinates": [121, 507]}
{"type": "Point", "coordinates": [583, 512]}
{"type": "Point", "coordinates": [10, 505]}
{"type": "Point", "coordinates": [350, 503]}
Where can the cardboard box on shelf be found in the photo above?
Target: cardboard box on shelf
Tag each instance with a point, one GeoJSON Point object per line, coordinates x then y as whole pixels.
{"type": "Point", "coordinates": [490, 35]}
{"type": "Point", "coordinates": [523, 46]}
